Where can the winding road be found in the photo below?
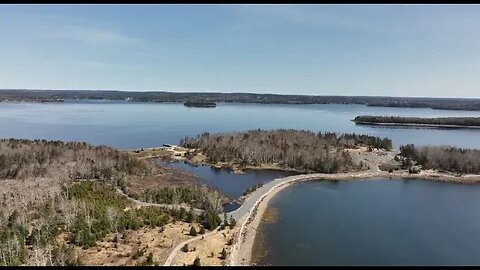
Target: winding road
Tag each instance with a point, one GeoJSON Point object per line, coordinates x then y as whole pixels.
{"type": "Point", "coordinates": [174, 252]}
{"type": "Point", "coordinates": [197, 211]}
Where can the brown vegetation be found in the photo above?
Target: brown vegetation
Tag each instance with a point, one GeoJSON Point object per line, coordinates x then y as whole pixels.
{"type": "Point", "coordinates": [444, 158]}
{"type": "Point", "coordinates": [290, 149]}
{"type": "Point", "coordinates": [22, 159]}
{"type": "Point", "coordinates": [41, 199]}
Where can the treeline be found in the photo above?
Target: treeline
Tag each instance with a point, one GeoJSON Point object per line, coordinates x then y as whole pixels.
{"type": "Point", "coordinates": [23, 159]}
{"type": "Point", "coordinates": [437, 104]}
{"type": "Point", "coordinates": [195, 196]}
{"type": "Point", "coordinates": [162, 96]}
{"type": "Point", "coordinates": [294, 149]}
{"type": "Point", "coordinates": [443, 158]}
{"type": "Point", "coordinates": [200, 103]}
{"type": "Point", "coordinates": [445, 121]}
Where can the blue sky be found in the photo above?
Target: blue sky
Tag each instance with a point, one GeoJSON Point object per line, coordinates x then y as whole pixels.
{"type": "Point", "coordinates": [394, 50]}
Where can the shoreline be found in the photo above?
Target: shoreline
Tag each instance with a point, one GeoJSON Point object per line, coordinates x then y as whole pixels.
{"type": "Point", "coordinates": [415, 125]}
{"type": "Point", "coordinates": [237, 170]}
{"type": "Point", "coordinates": [434, 103]}
{"type": "Point", "coordinates": [242, 251]}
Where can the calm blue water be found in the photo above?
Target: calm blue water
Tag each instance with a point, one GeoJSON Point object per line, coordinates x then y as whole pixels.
{"type": "Point", "coordinates": [231, 184]}
{"type": "Point", "coordinates": [134, 125]}
{"type": "Point", "coordinates": [375, 222]}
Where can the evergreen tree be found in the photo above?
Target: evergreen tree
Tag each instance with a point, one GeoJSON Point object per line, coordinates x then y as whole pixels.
{"type": "Point", "coordinates": [193, 232]}
{"type": "Point", "coordinates": [190, 216]}
{"type": "Point", "coordinates": [233, 222]}
{"type": "Point", "coordinates": [225, 221]}
{"type": "Point", "coordinates": [149, 259]}
{"type": "Point", "coordinates": [223, 254]}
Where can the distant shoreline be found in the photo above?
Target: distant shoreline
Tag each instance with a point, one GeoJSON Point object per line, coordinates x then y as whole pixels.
{"type": "Point", "coordinates": [465, 104]}
{"type": "Point", "coordinates": [200, 104]}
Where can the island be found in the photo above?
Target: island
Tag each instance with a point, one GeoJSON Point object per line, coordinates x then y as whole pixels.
{"type": "Point", "coordinates": [440, 122]}
{"type": "Point", "coordinates": [200, 104]}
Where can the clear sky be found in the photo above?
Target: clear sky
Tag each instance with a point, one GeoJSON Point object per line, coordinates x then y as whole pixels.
{"type": "Point", "coordinates": [393, 50]}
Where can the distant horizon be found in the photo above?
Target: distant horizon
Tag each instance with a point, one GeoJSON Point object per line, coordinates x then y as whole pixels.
{"type": "Point", "coordinates": [223, 92]}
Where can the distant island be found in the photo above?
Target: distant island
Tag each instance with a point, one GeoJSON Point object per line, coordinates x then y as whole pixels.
{"type": "Point", "coordinates": [27, 95]}
{"type": "Point", "coordinates": [200, 104]}
{"type": "Point", "coordinates": [442, 122]}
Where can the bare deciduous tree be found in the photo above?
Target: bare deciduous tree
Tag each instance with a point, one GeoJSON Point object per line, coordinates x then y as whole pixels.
{"type": "Point", "coordinates": [112, 215]}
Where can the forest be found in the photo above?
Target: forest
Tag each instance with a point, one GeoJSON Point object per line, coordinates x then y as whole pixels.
{"type": "Point", "coordinates": [86, 211]}
{"type": "Point", "coordinates": [291, 149]}
{"type": "Point", "coordinates": [23, 159]}
{"type": "Point", "coordinates": [196, 196]}
{"type": "Point", "coordinates": [72, 161]}
{"type": "Point", "coordinates": [54, 187]}
{"type": "Point", "coordinates": [442, 121]}
{"type": "Point", "coordinates": [443, 158]}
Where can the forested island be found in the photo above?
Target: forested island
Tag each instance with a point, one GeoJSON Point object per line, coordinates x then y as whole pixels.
{"type": "Point", "coordinates": [200, 104]}
{"type": "Point", "coordinates": [19, 95]}
{"type": "Point", "coordinates": [446, 122]}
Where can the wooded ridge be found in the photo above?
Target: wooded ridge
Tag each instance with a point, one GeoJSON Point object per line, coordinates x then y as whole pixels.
{"type": "Point", "coordinates": [440, 121]}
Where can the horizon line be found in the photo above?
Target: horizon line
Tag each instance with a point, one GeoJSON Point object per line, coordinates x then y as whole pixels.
{"type": "Point", "coordinates": [208, 92]}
